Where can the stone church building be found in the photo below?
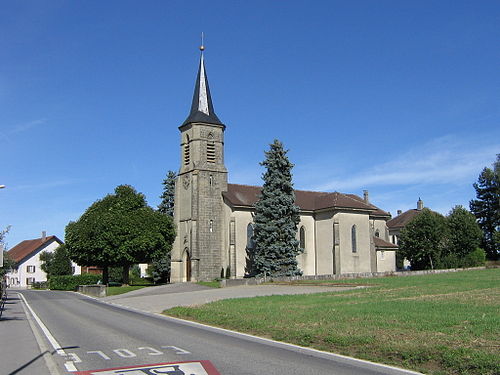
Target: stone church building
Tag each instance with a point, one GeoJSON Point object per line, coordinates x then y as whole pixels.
{"type": "Point", "coordinates": [340, 233]}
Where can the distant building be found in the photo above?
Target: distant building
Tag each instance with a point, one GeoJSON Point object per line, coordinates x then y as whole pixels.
{"type": "Point", "coordinates": [340, 233]}
{"type": "Point", "coordinates": [395, 225]}
{"type": "Point", "coordinates": [26, 255]}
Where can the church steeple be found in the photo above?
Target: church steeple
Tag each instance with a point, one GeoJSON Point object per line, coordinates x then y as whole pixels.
{"type": "Point", "coordinates": [202, 109]}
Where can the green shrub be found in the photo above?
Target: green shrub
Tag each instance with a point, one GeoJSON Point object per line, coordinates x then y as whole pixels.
{"type": "Point", "coordinates": [39, 285]}
{"type": "Point", "coordinates": [71, 282]}
{"type": "Point", "coordinates": [475, 258]}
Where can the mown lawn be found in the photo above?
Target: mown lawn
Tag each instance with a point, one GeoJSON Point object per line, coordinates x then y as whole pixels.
{"type": "Point", "coordinates": [437, 324]}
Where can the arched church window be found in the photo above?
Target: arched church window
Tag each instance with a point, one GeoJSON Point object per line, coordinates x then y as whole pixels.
{"type": "Point", "coordinates": [353, 239]}
{"type": "Point", "coordinates": [302, 238]}
{"type": "Point", "coordinates": [377, 233]}
{"type": "Point", "coordinates": [211, 226]}
{"type": "Point", "coordinates": [211, 180]}
{"type": "Point", "coordinates": [250, 239]}
{"type": "Point", "coordinates": [186, 151]}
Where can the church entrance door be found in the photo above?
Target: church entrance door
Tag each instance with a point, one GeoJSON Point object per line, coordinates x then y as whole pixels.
{"type": "Point", "coordinates": [188, 266]}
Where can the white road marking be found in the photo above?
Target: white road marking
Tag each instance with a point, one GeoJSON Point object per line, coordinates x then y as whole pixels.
{"type": "Point", "coordinates": [152, 351]}
{"type": "Point", "coordinates": [74, 357]}
{"type": "Point", "coordinates": [70, 366]}
{"type": "Point", "coordinates": [100, 353]}
{"type": "Point", "coordinates": [49, 361]}
{"type": "Point", "coordinates": [124, 353]}
{"type": "Point", "coordinates": [45, 330]}
{"type": "Point", "coordinates": [298, 348]}
{"type": "Point", "coordinates": [177, 350]}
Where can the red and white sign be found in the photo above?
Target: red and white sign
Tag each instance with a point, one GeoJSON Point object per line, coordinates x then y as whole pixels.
{"type": "Point", "coordinates": [172, 368]}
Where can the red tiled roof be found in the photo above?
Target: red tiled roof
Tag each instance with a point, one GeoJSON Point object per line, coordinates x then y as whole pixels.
{"type": "Point", "coordinates": [28, 247]}
{"type": "Point", "coordinates": [401, 220]}
{"type": "Point", "coordinates": [246, 196]}
{"type": "Point", "coordinates": [383, 244]}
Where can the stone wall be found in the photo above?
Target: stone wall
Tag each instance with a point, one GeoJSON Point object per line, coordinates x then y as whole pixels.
{"type": "Point", "coordinates": [361, 275]}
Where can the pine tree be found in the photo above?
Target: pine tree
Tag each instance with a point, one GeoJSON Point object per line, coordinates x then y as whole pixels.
{"type": "Point", "coordinates": [167, 197]}
{"type": "Point", "coordinates": [276, 218]}
{"type": "Point", "coordinates": [159, 268]}
{"type": "Point", "coordinates": [486, 208]}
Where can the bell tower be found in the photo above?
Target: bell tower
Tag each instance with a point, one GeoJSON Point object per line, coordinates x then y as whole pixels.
{"type": "Point", "coordinates": [197, 253]}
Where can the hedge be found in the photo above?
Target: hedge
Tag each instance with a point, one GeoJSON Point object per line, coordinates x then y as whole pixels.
{"type": "Point", "coordinates": [71, 282]}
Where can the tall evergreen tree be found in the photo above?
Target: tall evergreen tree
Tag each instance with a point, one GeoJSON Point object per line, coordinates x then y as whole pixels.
{"type": "Point", "coordinates": [167, 197]}
{"type": "Point", "coordinates": [486, 208]}
{"type": "Point", "coordinates": [159, 268]}
{"type": "Point", "coordinates": [276, 218]}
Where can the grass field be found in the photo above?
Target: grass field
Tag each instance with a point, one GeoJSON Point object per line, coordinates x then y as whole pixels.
{"type": "Point", "coordinates": [438, 324]}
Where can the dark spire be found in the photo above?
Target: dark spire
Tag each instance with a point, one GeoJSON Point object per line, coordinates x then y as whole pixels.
{"type": "Point", "coordinates": [202, 109]}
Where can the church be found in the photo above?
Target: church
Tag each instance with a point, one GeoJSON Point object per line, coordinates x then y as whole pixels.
{"type": "Point", "coordinates": [340, 233]}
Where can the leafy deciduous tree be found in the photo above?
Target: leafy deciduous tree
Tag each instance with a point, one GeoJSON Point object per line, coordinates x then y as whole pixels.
{"type": "Point", "coordinates": [423, 239]}
{"type": "Point", "coordinates": [119, 230]}
{"type": "Point", "coordinates": [7, 263]}
{"type": "Point", "coordinates": [56, 263]}
{"type": "Point", "coordinates": [486, 208]}
{"type": "Point", "coordinates": [464, 237]}
{"type": "Point", "coordinates": [276, 218]}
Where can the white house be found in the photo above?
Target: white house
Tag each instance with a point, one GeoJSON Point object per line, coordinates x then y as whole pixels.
{"type": "Point", "coordinates": [26, 256]}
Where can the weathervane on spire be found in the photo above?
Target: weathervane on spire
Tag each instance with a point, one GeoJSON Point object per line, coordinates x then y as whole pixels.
{"type": "Point", "coordinates": [202, 47]}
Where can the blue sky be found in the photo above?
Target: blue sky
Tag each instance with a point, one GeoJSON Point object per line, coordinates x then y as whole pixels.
{"type": "Point", "coordinates": [397, 97]}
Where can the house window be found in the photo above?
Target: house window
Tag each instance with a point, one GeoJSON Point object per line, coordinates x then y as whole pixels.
{"type": "Point", "coordinates": [377, 233]}
{"type": "Point", "coordinates": [302, 238]}
{"type": "Point", "coordinates": [30, 280]}
{"type": "Point", "coordinates": [73, 269]}
{"type": "Point", "coordinates": [353, 239]}
{"type": "Point", "coordinates": [30, 269]}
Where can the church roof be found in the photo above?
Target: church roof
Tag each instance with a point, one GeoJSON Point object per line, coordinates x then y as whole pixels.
{"type": "Point", "coordinates": [381, 244]}
{"type": "Point", "coordinates": [26, 248]}
{"type": "Point", "coordinates": [401, 220]}
{"type": "Point", "coordinates": [202, 109]}
{"type": "Point", "coordinates": [246, 196]}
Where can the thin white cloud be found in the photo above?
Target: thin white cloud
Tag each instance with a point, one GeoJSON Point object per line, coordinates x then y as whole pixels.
{"type": "Point", "coordinates": [46, 185]}
{"type": "Point", "coordinates": [19, 128]}
{"type": "Point", "coordinates": [440, 161]}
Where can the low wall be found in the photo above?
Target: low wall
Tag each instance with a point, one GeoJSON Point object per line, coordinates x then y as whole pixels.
{"type": "Point", "coordinates": [361, 275]}
{"type": "Point", "coordinates": [92, 290]}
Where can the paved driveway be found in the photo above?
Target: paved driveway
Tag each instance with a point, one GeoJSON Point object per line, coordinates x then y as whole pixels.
{"type": "Point", "coordinates": [159, 298]}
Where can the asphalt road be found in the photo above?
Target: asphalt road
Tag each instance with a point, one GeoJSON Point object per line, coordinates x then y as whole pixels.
{"type": "Point", "coordinates": [95, 335]}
